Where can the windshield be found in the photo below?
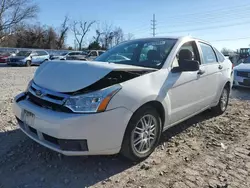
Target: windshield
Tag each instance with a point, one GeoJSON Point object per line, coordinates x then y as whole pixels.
{"type": "Point", "coordinates": [247, 60]}
{"type": "Point", "coordinates": [150, 53]}
{"type": "Point", "coordinates": [63, 54]}
{"type": "Point", "coordinates": [23, 53]}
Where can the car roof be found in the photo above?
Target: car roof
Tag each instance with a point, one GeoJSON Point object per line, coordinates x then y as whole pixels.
{"type": "Point", "coordinates": [173, 37]}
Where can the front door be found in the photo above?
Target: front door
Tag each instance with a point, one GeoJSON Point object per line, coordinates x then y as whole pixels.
{"type": "Point", "coordinates": [186, 89]}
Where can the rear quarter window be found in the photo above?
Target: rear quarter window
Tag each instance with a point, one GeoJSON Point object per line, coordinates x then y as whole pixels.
{"type": "Point", "coordinates": [219, 55]}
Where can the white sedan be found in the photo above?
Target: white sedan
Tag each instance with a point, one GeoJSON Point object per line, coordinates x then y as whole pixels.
{"type": "Point", "coordinates": [104, 107]}
{"type": "Point", "coordinates": [242, 74]}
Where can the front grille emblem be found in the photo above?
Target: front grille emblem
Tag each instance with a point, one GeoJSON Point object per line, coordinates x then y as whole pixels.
{"type": "Point", "coordinates": [39, 93]}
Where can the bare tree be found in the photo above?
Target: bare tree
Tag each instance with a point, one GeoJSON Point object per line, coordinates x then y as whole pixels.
{"type": "Point", "coordinates": [98, 35]}
{"type": "Point", "coordinates": [80, 29]}
{"type": "Point", "coordinates": [107, 35]}
{"type": "Point", "coordinates": [118, 35]}
{"type": "Point", "coordinates": [63, 33]}
{"type": "Point", "coordinates": [13, 12]}
{"type": "Point", "coordinates": [130, 36]}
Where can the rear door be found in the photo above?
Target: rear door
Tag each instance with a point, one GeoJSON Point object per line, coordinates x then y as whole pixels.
{"type": "Point", "coordinates": [212, 72]}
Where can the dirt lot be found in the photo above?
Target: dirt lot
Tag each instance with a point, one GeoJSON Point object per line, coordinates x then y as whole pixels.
{"type": "Point", "coordinates": [204, 151]}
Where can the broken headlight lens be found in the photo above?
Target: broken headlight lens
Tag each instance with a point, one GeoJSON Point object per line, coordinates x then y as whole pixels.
{"type": "Point", "coordinates": [92, 102]}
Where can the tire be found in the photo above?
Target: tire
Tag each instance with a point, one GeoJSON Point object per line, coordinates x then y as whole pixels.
{"type": "Point", "coordinates": [221, 107]}
{"type": "Point", "coordinates": [28, 63]}
{"type": "Point", "coordinates": [133, 142]}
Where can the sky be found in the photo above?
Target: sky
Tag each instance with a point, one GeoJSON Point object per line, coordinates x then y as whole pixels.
{"type": "Point", "coordinates": [224, 23]}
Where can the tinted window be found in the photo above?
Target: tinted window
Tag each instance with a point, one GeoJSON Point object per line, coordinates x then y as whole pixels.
{"type": "Point", "coordinates": [207, 53]}
{"type": "Point", "coordinates": [220, 56]}
{"type": "Point", "coordinates": [143, 52]}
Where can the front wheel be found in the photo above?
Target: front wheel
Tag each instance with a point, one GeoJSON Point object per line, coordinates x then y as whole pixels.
{"type": "Point", "coordinates": [142, 134]}
{"type": "Point", "coordinates": [28, 63]}
{"type": "Point", "coordinates": [221, 107]}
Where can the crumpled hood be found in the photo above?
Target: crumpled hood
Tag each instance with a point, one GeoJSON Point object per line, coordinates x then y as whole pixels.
{"type": "Point", "coordinates": [70, 76]}
{"type": "Point", "coordinates": [242, 66]}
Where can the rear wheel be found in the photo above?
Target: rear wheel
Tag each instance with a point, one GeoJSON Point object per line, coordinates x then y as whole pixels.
{"type": "Point", "coordinates": [223, 102]}
{"type": "Point", "coordinates": [28, 63]}
{"type": "Point", "coordinates": [142, 134]}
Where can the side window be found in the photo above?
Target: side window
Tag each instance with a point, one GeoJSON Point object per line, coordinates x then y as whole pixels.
{"type": "Point", "coordinates": [220, 56]}
{"type": "Point", "coordinates": [93, 53]}
{"type": "Point", "coordinates": [42, 53]}
{"type": "Point", "coordinates": [39, 53]}
{"type": "Point", "coordinates": [191, 46]}
{"type": "Point", "coordinates": [207, 53]}
{"type": "Point", "coordinates": [35, 53]}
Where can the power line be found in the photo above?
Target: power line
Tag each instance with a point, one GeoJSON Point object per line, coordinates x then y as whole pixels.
{"type": "Point", "coordinates": [232, 39]}
{"type": "Point", "coordinates": [206, 20]}
{"type": "Point", "coordinates": [153, 25]}
{"type": "Point", "coordinates": [205, 28]}
{"type": "Point", "coordinates": [211, 12]}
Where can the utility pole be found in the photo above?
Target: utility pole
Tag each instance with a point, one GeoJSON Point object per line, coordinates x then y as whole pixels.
{"type": "Point", "coordinates": [153, 25]}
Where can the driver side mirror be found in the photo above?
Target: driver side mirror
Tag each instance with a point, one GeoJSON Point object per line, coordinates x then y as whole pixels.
{"type": "Point", "coordinates": [186, 65]}
{"type": "Point", "coordinates": [189, 65]}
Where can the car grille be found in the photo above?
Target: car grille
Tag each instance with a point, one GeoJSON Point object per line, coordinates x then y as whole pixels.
{"type": "Point", "coordinates": [47, 99]}
{"type": "Point", "coordinates": [246, 82]}
{"type": "Point", "coordinates": [243, 74]}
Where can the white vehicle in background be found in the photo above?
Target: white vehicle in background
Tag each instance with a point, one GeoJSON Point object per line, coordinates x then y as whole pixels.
{"type": "Point", "coordinates": [86, 55]}
{"type": "Point", "coordinates": [69, 54]}
{"type": "Point", "coordinates": [104, 107]}
{"type": "Point", "coordinates": [242, 74]}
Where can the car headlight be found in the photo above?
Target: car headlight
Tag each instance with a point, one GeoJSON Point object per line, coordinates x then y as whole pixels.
{"type": "Point", "coordinates": [92, 102]}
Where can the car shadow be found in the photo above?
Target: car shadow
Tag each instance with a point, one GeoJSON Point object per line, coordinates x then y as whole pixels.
{"type": "Point", "coordinates": [240, 93]}
{"type": "Point", "coordinates": [38, 162]}
{"type": "Point", "coordinates": [181, 127]}
{"type": "Point", "coordinates": [28, 162]}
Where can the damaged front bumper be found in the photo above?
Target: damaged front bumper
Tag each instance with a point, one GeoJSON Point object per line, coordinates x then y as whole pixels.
{"type": "Point", "coordinates": [73, 134]}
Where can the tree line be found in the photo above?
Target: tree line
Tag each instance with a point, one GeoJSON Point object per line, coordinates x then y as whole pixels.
{"type": "Point", "coordinates": [16, 30]}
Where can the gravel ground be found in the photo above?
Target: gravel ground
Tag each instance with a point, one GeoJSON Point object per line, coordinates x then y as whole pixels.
{"type": "Point", "coordinates": [204, 151]}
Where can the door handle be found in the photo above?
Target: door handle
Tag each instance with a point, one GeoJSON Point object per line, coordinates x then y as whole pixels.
{"type": "Point", "coordinates": [200, 72]}
{"type": "Point", "coordinates": [220, 67]}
